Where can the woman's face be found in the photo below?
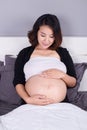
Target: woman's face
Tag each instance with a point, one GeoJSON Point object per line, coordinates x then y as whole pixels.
{"type": "Point", "coordinates": [45, 37]}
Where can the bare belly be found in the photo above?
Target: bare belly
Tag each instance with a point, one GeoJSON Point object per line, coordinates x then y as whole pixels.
{"type": "Point", "coordinates": [52, 88]}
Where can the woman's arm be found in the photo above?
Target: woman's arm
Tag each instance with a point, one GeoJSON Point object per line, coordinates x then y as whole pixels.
{"type": "Point", "coordinates": [35, 99]}
{"type": "Point", "coordinates": [70, 77]}
{"type": "Point", "coordinates": [69, 80]}
{"type": "Point", "coordinates": [22, 92]}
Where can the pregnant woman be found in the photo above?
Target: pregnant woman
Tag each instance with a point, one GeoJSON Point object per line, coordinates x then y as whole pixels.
{"type": "Point", "coordinates": [44, 70]}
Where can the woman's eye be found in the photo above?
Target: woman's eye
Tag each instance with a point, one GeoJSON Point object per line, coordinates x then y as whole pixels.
{"type": "Point", "coordinates": [42, 36]}
{"type": "Point", "coordinates": [52, 37]}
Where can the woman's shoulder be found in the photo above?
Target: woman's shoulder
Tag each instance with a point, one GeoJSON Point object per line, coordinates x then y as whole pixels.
{"type": "Point", "coordinates": [26, 50]}
{"type": "Point", "coordinates": [25, 53]}
{"type": "Point", "coordinates": [64, 53]}
{"type": "Point", "coordinates": [62, 50]}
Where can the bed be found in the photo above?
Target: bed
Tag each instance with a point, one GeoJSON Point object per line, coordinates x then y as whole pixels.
{"type": "Point", "coordinates": [59, 116]}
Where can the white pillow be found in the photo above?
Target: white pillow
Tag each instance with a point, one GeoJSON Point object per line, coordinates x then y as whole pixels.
{"type": "Point", "coordinates": [83, 83]}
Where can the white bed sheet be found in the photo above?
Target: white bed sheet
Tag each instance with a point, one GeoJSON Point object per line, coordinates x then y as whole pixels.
{"type": "Point", "coordinates": [61, 116]}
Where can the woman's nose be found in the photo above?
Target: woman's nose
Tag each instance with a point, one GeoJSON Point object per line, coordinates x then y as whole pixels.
{"type": "Point", "coordinates": [47, 39]}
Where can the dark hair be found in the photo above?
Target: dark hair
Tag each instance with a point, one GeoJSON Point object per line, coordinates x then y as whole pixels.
{"type": "Point", "coordinates": [51, 21]}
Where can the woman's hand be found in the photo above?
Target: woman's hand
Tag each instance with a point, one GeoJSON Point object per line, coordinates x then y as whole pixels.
{"type": "Point", "coordinates": [58, 74]}
{"type": "Point", "coordinates": [39, 100]}
{"type": "Point", "coordinates": [53, 73]}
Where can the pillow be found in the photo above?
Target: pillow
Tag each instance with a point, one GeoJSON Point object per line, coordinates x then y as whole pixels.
{"type": "Point", "coordinates": [10, 60]}
{"type": "Point", "coordinates": [74, 96]}
{"type": "Point", "coordinates": [8, 95]}
{"type": "Point", "coordinates": [83, 83]}
{"type": "Point", "coordinates": [1, 63]}
{"type": "Point", "coordinates": [80, 70]}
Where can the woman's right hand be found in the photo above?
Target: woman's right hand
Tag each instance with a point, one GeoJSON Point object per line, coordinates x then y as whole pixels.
{"type": "Point", "coordinates": [39, 100]}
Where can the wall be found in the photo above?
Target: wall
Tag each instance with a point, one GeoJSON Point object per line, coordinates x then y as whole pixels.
{"type": "Point", "coordinates": [18, 16]}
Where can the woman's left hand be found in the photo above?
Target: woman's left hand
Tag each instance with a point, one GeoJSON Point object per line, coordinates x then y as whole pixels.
{"type": "Point", "coordinates": [53, 73]}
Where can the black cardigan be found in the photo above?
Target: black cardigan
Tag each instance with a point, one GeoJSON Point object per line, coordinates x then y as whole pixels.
{"type": "Point", "coordinates": [24, 56]}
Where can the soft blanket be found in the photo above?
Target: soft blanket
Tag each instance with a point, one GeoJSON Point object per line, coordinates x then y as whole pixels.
{"type": "Point", "coordinates": [61, 116]}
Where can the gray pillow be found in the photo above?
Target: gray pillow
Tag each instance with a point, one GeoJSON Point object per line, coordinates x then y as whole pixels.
{"type": "Point", "coordinates": [10, 60]}
{"type": "Point", "coordinates": [1, 63]}
{"type": "Point", "coordinates": [8, 95]}
{"type": "Point", "coordinates": [75, 97]}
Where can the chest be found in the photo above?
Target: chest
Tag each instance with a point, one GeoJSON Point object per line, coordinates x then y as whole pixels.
{"type": "Point", "coordinates": [46, 53]}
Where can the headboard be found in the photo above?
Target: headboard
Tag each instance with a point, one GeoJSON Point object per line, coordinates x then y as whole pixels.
{"type": "Point", "coordinates": [77, 46]}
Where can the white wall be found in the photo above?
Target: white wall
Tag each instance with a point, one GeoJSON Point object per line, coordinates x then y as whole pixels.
{"type": "Point", "coordinates": [18, 16]}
